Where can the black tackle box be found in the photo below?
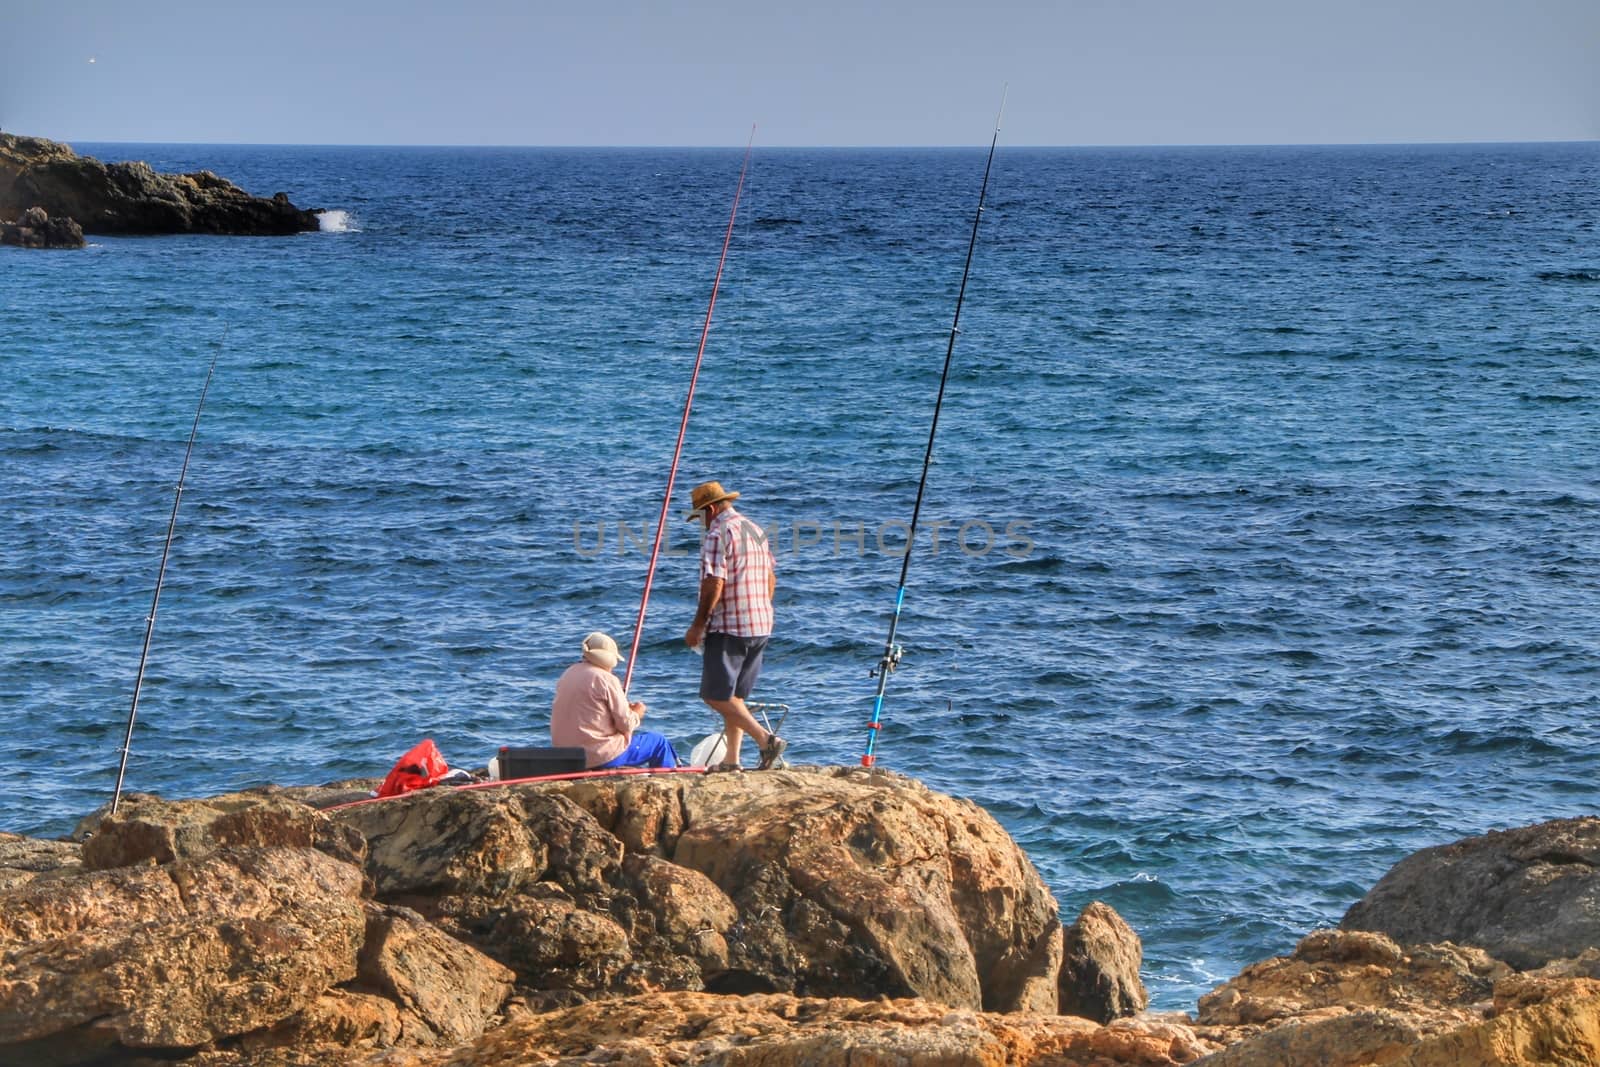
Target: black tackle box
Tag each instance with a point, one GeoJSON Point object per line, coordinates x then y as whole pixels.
{"type": "Point", "coordinates": [533, 762]}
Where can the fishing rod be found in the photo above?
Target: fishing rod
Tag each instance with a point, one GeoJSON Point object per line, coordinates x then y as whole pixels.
{"type": "Point", "coordinates": [891, 651]}
{"type": "Point", "coordinates": [161, 573]}
{"type": "Point", "coordinates": [683, 426]}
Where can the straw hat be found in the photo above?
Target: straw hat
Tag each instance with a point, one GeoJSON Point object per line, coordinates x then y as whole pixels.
{"type": "Point", "coordinates": [601, 650]}
{"type": "Point", "coordinates": [704, 495]}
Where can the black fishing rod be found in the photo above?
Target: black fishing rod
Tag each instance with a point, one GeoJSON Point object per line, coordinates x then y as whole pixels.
{"type": "Point", "coordinates": [892, 651]}
{"type": "Point", "coordinates": [161, 573]}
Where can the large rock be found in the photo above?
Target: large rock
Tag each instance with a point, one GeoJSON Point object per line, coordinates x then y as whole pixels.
{"type": "Point", "coordinates": [175, 957]}
{"type": "Point", "coordinates": [533, 880]}
{"type": "Point", "coordinates": [1563, 1029]}
{"type": "Point", "coordinates": [1336, 1039]}
{"type": "Point", "coordinates": [219, 923]}
{"type": "Point", "coordinates": [131, 198]}
{"type": "Point", "coordinates": [1346, 999]}
{"type": "Point", "coordinates": [1525, 896]}
{"type": "Point", "coordinates": [147, 829]}
{"type": "Point", "coordinates": [1100, 968]}
{"type": "Point", "coordinates": [821, 882]}
{"type": "Point", "coordinates": [1344, 971]}
{"type": "Point", "coordinates": [414, 986]}
{"type": "Point", "coordinates": [852, 883]}
{"type": "Point", "coordinates": [36, 229]}
{"type": "Point", "coordinates": [445, 991]}
{"type": "Point", "coordinates": [1543, 1023]}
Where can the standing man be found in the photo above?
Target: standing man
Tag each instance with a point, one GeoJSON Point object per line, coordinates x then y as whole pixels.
{"type": "Point", "coordinates": [591, 712]}
{"type": "Point", "coordinates": [734, 617]}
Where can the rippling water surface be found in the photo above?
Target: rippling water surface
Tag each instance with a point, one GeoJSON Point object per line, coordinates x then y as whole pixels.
{"type": "Point", "coordinates": [1268, 505]}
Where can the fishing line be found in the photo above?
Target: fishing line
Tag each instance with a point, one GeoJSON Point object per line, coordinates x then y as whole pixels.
{"type": "Point", "coordinates": [683, 425]}
{"type": "Point", "coordinates": [736, 316]}
{"type": "Point", "coordinates": [891, 651]}
{"type": "Point", "coordinates": [161, 573]}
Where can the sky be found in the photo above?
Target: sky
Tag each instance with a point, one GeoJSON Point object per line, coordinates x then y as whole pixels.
{"type": "Point", "coordinates": [801, 72]}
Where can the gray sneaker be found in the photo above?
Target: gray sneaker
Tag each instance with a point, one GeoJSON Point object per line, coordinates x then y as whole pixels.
{"type": "Point", "coordinates": [772, 752]}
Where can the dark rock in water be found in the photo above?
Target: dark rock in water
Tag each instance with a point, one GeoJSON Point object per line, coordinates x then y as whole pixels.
{"type": "Point", "coordinates": [131, 198]}
{"type": "Point", "coordinates": [1100, 967]}
{"type": "Point", "coordinates": [1526, 896]}
{"type": "Point", "coordinates": [36, 229]}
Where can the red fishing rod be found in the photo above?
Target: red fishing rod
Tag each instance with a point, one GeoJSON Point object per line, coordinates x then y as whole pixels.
{"type": "Point", "coordinates": [892, 651]}
{"type": "Point", "coordinates": [683, 426]}
{"type": "Point", "coordinates": [161, 573]}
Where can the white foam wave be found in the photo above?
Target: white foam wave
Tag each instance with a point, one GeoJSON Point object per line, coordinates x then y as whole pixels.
{"type": "Point", "coordinates": [337, 222]}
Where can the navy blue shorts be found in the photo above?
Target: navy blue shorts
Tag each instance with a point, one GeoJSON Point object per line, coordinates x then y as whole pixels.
{"type": "Point", "coordinates": [731, 666]}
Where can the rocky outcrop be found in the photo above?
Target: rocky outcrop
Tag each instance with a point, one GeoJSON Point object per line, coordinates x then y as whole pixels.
{"type": "Point", "coordinates": [1346, 999]}
{"type": "Point", "coordinates": [255, 928]}
{"type": "Point", "coordinates": [131, 198]}
{"type": "Point", "coordinates": [856, 883]}
{"type": "Point", "coordinates": [36, 229]}
{"type": "Point", "coordinates": [218, 925]}
{"type": "Point", "coordinates": [245, 942]}
{"type": "Point", "coordinates": [1338, 970]}
{"type": "Point", "coordinates": [826, 883]}
{"type": "Point", "coordinates": [1525, 896]}
{"type": "Point", "coordinates": [796, 917]}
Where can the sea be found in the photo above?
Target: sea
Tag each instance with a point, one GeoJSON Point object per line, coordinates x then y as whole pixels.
{"type": "Point", "coordinates": [1259, 546]}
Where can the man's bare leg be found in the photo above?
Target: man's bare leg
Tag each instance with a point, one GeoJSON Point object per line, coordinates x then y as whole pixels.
{"type": "Point", "coordinates": [737, 721]}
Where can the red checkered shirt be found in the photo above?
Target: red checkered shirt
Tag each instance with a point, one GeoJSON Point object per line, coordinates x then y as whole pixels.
{"type": "Point", "coordinates": [735, 550]}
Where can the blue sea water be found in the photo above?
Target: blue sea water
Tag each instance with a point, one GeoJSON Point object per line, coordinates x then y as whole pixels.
{"type": "Point", "coordinates": [1266, 492]}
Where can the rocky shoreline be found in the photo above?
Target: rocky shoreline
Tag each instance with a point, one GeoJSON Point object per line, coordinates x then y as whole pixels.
{"type": "Point", "coordinates": [75, 195]}
{"type": "Point", "coordinates": [803, 916]}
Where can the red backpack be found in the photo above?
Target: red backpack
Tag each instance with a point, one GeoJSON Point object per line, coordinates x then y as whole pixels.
{"type": "Point", "coordinates": [421, 767]}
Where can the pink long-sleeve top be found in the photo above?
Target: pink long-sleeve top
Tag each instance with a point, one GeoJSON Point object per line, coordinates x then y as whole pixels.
{"type": "Point", "coordinates": [591, 711]}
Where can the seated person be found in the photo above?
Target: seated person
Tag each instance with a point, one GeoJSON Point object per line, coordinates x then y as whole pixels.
{"type": "Point", "coordinates": [592, 712]}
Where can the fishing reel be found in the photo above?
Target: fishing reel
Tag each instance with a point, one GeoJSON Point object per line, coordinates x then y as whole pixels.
{"type": "Point", "coordinates": [890, 660]}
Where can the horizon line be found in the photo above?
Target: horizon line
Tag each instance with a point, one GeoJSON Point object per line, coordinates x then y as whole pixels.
{"type": "Point", "coordinates": [837, 147]}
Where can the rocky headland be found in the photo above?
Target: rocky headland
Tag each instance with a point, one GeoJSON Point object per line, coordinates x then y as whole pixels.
{"type": "Point", "coordinates": [802, 916]}
{"type": "Point", "coordinates": [125, 199]}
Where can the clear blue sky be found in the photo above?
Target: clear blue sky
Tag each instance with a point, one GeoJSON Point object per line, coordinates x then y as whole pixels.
{"type": "Point", "coordinates": [805, 72]}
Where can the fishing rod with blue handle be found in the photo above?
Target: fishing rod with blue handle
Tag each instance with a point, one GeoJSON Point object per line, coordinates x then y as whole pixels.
{"type": "Point", "coordinates": [891, 651]}
{"type": "Point", "coordinates": [161, 573]}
